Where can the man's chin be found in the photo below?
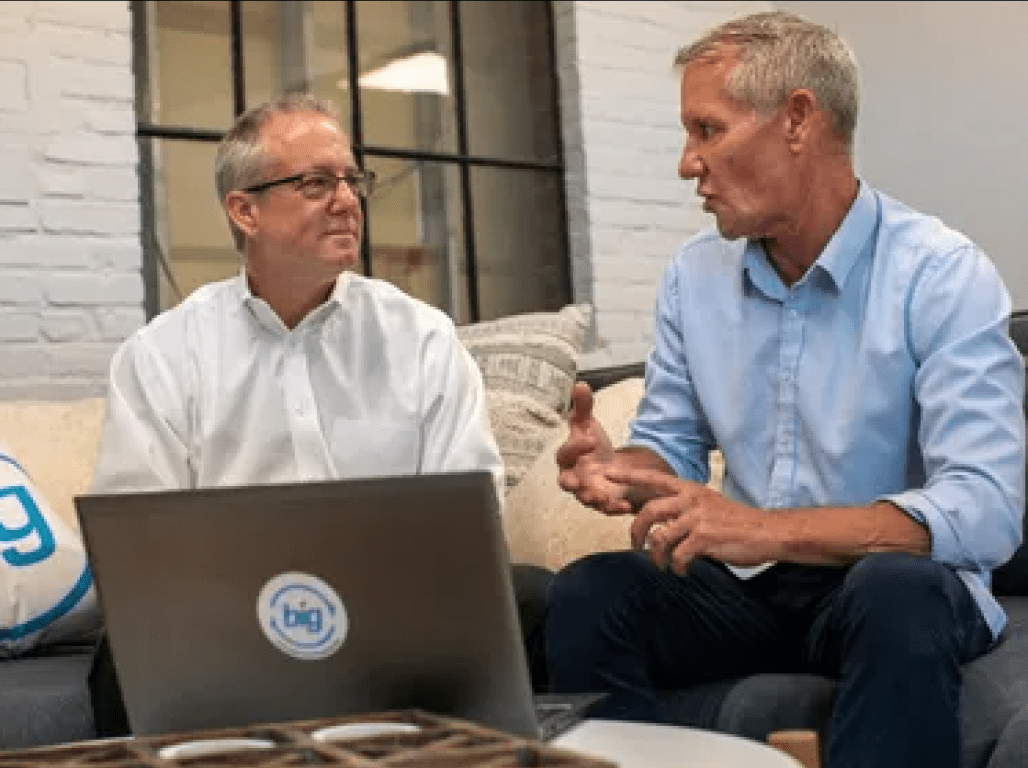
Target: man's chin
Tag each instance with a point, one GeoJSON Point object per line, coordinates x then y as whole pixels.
{"type": "Point", "coordinates": [343, 258]}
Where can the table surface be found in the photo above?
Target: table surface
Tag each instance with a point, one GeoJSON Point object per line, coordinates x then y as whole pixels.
{"type": "Point", "coordinates": [647, 745]}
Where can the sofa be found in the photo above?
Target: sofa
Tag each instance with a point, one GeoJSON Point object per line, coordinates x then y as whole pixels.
{"type": "Point", "coordinates": [529, 363]}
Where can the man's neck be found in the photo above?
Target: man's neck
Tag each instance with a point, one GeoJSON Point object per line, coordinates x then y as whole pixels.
{"type": "Point", "coordinates": [291, 299]}
{"type": "Point", "coordinates": [795, 248]}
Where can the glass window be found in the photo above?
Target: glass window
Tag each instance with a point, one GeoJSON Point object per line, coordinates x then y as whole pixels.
{"type": "Point", "coordinates": [453, 104]}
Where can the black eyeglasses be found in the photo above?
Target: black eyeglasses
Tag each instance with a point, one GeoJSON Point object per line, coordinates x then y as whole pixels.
{"type": "Point", "coordinates": [318, 185]}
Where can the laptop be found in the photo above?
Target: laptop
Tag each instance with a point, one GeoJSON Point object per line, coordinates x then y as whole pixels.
{"type": "Point", "coordinates": [233, 606]}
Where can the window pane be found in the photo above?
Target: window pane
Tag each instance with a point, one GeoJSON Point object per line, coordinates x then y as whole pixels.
{"type": "Point", "coordinates": [190, 65]}
{"type": "Point", "coordinates": [406, 80]}
{"type": "Point", "coordinates": [189, 227]}
{"type": "Point", "coordinates": [520, 244]}
{"type": "Point", "coordinates": [295, 46]}
{"type": "Point", "coordinates": [417, 232]}
{"type": "Point", "coordinates": [508, 74]}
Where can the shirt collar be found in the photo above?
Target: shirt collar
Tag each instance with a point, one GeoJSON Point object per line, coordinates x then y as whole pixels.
{"type": "Point", "coordinates": [262, 312]}
{"type": "Point", "coordinates": [852, 237]}
{"type": "Point", "coordinates": [843, 250]}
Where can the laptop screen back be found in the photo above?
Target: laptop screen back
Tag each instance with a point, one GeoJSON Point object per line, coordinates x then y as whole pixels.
{"type": "Point", "coordinates": [234, 606]}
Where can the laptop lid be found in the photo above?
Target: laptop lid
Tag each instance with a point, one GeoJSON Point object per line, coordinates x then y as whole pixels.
{"type": "Point", "coordinates": [233, 606]}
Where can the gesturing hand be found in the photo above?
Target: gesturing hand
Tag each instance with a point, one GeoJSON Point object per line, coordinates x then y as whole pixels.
{"type": "Point", "coordinates": [586, 455]}
{"type": "Point", "coordinates": [684, 520]}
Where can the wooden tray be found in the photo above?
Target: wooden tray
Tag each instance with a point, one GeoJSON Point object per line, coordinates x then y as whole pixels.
{"type": "Point", "coordinates": [438, 742]}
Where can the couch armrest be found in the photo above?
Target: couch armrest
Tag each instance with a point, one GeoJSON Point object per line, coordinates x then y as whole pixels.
{"type": "Point", "coordinates": [598, 378]}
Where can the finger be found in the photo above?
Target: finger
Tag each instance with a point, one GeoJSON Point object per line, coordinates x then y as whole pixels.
{"type": "Point", "coordinates": [682, 553]}
{"type": "Point", "coordinates": [672, 545]}
{"type": "Point", "coordinates": [576, 446]}
{"type": "Point", "coordinates": [568, 480]}
{"type": "Point", "coordinates": [651, 480]}
{"type": "Point", "coordinates": [650, 515]}
{"type": "Point", "coordinates": [581, 405]}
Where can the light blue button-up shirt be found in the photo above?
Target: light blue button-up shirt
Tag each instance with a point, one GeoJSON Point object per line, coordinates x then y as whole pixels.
{"type": "Point", "coordinates": [886, 372]}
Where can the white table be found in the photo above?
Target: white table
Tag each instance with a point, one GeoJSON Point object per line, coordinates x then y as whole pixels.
{"type": "Point", "coordinates": [646, 745]}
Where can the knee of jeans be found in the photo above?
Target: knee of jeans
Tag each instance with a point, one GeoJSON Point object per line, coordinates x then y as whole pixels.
{"type": "Point", "coordinates": [893, 590]}
{"type": "Point", "coordinates": [600, 576]}
{"type": "Point", "coordinates": [895, 577]}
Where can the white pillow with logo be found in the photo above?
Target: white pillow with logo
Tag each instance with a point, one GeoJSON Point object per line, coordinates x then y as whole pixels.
{"type": "Point", "coordinates": [46, 587]}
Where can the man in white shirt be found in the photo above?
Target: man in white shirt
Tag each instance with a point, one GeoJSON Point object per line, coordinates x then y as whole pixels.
{"type": "Point", "coordinates": [297, 368]}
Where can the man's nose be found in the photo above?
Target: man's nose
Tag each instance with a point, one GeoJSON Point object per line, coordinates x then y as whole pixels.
{"type": "Point", "coordinates": [344, 195]}
{"type": "Point", "coordinates": [690, 166]}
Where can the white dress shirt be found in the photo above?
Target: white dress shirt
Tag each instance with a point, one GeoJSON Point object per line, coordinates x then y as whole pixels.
{"type": "Point", "coordinates": [218, 391]}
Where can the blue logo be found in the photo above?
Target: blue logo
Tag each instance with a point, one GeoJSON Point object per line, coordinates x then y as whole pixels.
{"type": "Point", "coordinates": [34, 529]}
{"type": "Point", "coordinates": [302, 616]}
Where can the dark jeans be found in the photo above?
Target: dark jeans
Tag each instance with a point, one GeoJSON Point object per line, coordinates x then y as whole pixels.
{"type": "Point", "coordinates": [893, 629]}
{"type": "Point", "coordinates": [530, 587]}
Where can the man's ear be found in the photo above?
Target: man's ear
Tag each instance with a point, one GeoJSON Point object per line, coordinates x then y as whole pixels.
{"type": "Point", "coordinates": [800, 115]}
{"type": "Point", "coordinates": [242, 210]}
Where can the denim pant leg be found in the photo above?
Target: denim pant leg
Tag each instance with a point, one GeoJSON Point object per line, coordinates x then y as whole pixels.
{"type": "Point", "coordinates": [896, 633]}
{"type": "Point", "coordinates": [618, 624]}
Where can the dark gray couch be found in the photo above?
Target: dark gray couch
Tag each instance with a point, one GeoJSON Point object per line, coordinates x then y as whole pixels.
{"type": "Point", "coordinates": [995, 706]}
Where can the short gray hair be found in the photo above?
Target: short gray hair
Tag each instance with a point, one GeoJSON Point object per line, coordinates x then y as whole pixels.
{"type": "Point", "coordinates": [241, 160]}
{"type": "Point", "coordinates": [780, 52]}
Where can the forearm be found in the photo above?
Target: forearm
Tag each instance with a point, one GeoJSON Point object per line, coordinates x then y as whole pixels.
{"type": "Point", "coordinates": [843, 535]}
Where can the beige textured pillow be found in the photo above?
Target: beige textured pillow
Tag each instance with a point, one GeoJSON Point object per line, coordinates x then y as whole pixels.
{"type": "Point", "coordinates": [547, 526]}
{"type": "Point", "coordinates": [56, 443]}
{"type": "Point", "coordinates": [529, 363]}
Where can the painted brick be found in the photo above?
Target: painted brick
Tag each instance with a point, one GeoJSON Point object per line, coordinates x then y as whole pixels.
{"type": "Point", "coordinates": [83, 216]}
{"type": "Point", "coordinates": [98, 182]}
{"type": "Point", "coordinates": [78, 78]}
{"type": "Point", "coordinates": [93, 149]}
{"type": "Point", "coordinates": [80, 359]}
{"type": "Point", "coordinates": [93, 288]}
{"type": "Point", "coordinates": [17, 217]}
{"type": "Point", "coordinates": [45, 251]}
{"type": "Point", "coordinates": [18, 325]}
{"type": "Point", "coordinates": [125, 254]}
{"type": "Point", "coordinates": [108, 15]}
{"type": "Point", "coordinates": [68, 325]}
{"type": "Point", "coordinates": [13, 85]}
{"type": "Point", "coordinates": [116, 324]}
{"type": "Point", "coordinates": [92, 45]}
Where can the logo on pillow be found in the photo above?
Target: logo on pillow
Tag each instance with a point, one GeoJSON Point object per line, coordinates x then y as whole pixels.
{"type": "Point", "coordinates": [45, 583]}
{"type": "Point", "coordinates": [35, 531]}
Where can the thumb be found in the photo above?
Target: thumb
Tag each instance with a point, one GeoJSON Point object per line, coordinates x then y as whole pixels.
{"type": "Point", "coordinates": [581, 405]}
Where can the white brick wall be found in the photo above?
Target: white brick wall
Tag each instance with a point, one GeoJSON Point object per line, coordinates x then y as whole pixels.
{"type": "Point", "coordinates": [627, 209]}
{"type": "Point", "coordinates": [70, 254]}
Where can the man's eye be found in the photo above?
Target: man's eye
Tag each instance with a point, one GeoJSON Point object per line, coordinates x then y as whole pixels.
{"type": "Point", "coordinates": [316, 184]}
{"type": "Point", "coordinates": [704, 130]}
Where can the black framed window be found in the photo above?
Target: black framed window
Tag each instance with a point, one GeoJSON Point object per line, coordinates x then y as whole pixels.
{"type": "Point", "coordinates": [454, 105]}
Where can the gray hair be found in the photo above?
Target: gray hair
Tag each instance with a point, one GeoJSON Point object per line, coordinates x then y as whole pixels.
{"type": "Point", "coordinates": [780, 52]}
{"type": "Point", "coordinates": [242, 159]}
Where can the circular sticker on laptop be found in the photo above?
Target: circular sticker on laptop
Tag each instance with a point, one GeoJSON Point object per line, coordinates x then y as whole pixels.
{"type": "Point", "coordinates": [302, 616]}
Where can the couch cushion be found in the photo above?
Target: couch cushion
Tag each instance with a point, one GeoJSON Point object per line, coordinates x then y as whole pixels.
{"type": "Point", "coordinates": [56, 443]}
{"type": "Point", "coordinates": [45, 700]}
{"type": "Point", "coordinates": [528, 363]}
{"type": "Point", "coordinates": [549, 527]}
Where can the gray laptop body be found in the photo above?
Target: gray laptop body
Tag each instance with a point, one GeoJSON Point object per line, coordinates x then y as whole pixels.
{"type": "Point", "coordinates": [235, 606]}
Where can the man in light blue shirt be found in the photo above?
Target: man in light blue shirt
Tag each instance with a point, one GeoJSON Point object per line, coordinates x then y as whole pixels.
{"type": "Point", "coordinates": [850, 358]}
